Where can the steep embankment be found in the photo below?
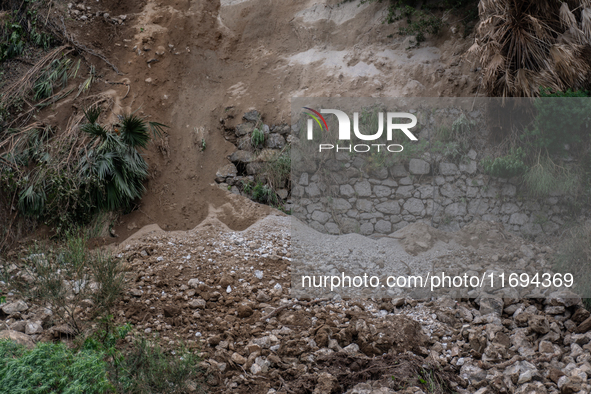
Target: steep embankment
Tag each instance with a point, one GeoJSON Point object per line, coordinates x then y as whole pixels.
{"type": "Point", "coordinates": [188, 61]}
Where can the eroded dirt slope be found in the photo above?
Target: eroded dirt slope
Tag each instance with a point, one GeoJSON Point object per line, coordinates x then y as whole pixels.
{"type": "Point", "coordinates": [187, 62]}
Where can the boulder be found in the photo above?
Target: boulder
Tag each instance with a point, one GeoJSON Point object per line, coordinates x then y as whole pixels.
{"type": "Point", "coordinates": [227, 171]}
{"type": "Point", "coordinates": [252, 116]}
{"type": "Point", "coordinates": [448, 169]}
{"type": "Point", "coordinates": [244, 129]}
{"type": "Point", "coordinates": [275, 141]}
{"type": "Point", "coordinates": [419, 167]}
{"type": "Point", "coordinates": [241, 156]}
{"type": "Point", "coordinates": [32, 328]}
{"type": "Point", "coordinates": [18, 337]}
{"type": "Point", "coordinates": [14, 307]}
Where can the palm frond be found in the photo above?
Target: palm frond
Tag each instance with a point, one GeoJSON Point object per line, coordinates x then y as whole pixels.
{"type": "Point", "coordinates": [570, 69]}
{"type": "Point", "coordinates": [75, 69]}
{"type": "Point", "coordinates": [586, 23]}
{"type": "Point", "coordinates": [32, 200]}
{"type": "Point", "coordinates": [567, 18]}
{"type": "Point", "coordinates": [524, 43]}
{"type": "Point", "coordinates": [134, 132]}
{"type": "Point", "coordinates": [157, 128]}
{"type": "Point", "coordinates": [85, 85]}
{"type": "Point", "coordinates": [95, 130]}
{"type": "Point", "coordinates": [525, 82]}
{"type": "Point", "coordinates": [92, 114]}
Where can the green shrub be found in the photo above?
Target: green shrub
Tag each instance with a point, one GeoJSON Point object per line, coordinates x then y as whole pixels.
{"type": "Point", "coordinates": [142, 367]}
{"type": "Point", "coordinates": [461, 126]}
{"type": "Point", "coordinates": [418, 21]}
{"type": "Point", "coordinates": [421, 21]}
{"type": "Point", "coordinates": [101, 365]}
{"type": "Point", "coordinates": [257, 138]}
{"type": "Point", "coordinates": [264, 193]}
{"type": "Point", "coordinates": [20, 29]}
{"type": "Point", "coordinates": [276, 174]}
{"type": "Point", "coordinates": [559, 121]}
{"type": "Point", "coordinates": [146, 368]}
{"type": "Point", "coordinates": [278, 169]}
{"type": "Point", "coordinates": [412, 150]}
{"type": "Point", "coordinates": [51, 368]}
{"type": "Point", "coordinates": [506, 166]}
{"type": "Point", "coordinates": [261, 192]}
{"type": "Point", "coordinates": [61, 277]}
{"type": "Point", "coordinates": [376, 160]}
{"type": "Point", "coordinates": [65, 179]}
{"type": "Point", "coordinates": [109, 277]}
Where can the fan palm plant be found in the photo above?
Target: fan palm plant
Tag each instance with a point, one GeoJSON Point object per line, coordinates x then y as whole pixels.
{"type": "Point", "coordinates": [67, 177]}
{"type": "Point", "coordinates": [527, 44]}
{"type": "Point", "coordinates": [114, 160]}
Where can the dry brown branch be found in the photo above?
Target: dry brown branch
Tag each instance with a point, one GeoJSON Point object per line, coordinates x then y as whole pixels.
{"type": "Point", "coordinates": [62, 33]}
{"type": "Point", "coordinates": [20, 87]}
{"type": "Point", "coordinates": [513, 360]}
{"type": "Point", "coordinates": [525, 45]}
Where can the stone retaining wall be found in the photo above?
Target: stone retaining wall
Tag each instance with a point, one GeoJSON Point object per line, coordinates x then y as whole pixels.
{"type": "Point", "coordinates": [447, 195]}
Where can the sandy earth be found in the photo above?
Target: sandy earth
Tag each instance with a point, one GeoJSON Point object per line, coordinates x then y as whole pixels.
{"type": "Point", "coordinates": [249, 54]}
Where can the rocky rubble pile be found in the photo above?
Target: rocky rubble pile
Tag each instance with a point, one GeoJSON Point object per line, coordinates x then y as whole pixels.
{"type": "Point", "coordinates": [249, 163]}
{"type": "Point", "coordinates": [227, 295]}
{"type": "Point", "coordinates": [84, 13]}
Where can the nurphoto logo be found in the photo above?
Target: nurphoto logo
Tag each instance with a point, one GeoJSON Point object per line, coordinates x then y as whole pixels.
{"type": "Point", "coordinates": [344, 132]}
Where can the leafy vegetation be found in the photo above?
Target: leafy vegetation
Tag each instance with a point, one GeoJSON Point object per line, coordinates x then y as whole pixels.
{"type": "Point", "coordinates": [65, 276]}
{"type": "Point", "coordinates": [59, 70]}
{"type": "Point", "coordinates": [146, 368]}
{"type": "Point", "coordinates": [418, 21]}
{"type": "Point", "coordinates": [506, 166]}
{"type": "Point", "coordinates": [552, 151]}
{"type": "Point", "coordinates": [275, 174]}
{"type": "Point", "coordinates": [545, 177]}
{"type": "Point", "coordinates": [19, 28]}
{"type": "Point", "coordinates": [426, 19]}
{"type": "Point", "coordinates": [51, 368]}
{"type": "Point", "coordinates": [278, 170]}
{"type": "Point", "coordinates": [559, 122]}
{"type": "Point", "coordinates": [66, 179]}
{"type": "Point", "coordinates": [100, 365]}
{"type": "Point", "coordinates": [257, 139]}
{"type": "Point", "coordinates": [141, 366]}
{"type": "Point", "coordinates": [261, 192]}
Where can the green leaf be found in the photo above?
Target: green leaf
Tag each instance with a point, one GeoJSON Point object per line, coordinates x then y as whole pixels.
{"type": "Point", "coordinates": [92, 114]}
{"type": "Point", "coordinates": [134, 132]}
{"type": "Point", "coordinates": [96, 130]}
